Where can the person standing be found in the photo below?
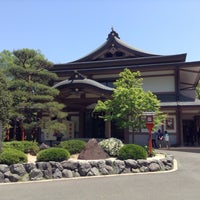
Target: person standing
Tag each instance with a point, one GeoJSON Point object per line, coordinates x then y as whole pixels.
{"type": "Point", "coordinates": [154, 136]}
{"type": "Point", "coordinates": [166, 139]}
{"type": "Point", "coordinates": [160, 138]}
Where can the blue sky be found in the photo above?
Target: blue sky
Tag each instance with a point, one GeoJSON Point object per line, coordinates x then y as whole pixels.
{"type": "Point", "coordinates": [66, 30]}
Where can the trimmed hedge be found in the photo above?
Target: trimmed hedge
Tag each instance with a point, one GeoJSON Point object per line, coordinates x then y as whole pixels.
{"type": "Point", "coordinates": [24, 146]}
{"type": "Point", "coordinates": [53, 154]}
{"type": "Point", "coordinates": [12, 156]}
{"type": "Point", "coordinates": [73, 146]}
{"type": "Point", "coordinates": [132, 151]}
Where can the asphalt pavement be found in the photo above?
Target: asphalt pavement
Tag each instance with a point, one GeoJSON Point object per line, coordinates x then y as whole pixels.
{"type": "Point", "coordinates": [182, 184]}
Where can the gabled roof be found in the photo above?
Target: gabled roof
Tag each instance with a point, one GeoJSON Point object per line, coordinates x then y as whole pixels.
{"type": "Point", "coordinates": [77, 81]}
{"type": "Point", "coordinates": [114, 48]}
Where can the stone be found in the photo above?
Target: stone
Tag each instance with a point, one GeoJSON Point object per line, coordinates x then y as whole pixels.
{"type": "Point", "coordinates": [109, 162]}
{"type": "Point", "coordinates": [93, 172]}
{"type": "Point", "coordinates": [153, 167]}
{"type": "Point", "coordinates": [43, 146]}
{"type": "Point", "coordinates": [36, 174]}
{"type": "Point", "coordinates": [109, 169]}
{"type": "Point", "coordinates": [57, 174]}
{"type": "Point", "coordinates": [118, 166]}
{"type": "Point", "coordinates": [66, 173]}
{"type": "Point", "coordinates": [72, 165]}
{"type": "Point", "coordinates": [142, 162]}
{"type": "Point", "coordinates": [18, 169]}
{"type": "Point", "coordinates": [43, 165]}
{"type": "Point", "coordinates": [29, 166]}
{"type": "Point", "coordinates": [12, 177]}
{"type": "Point", "coordinates": [1, 177]}
{"type": "Point", "coordinates": [25, 178]}
{"type": "Point", "coordinates": [56, 165]}
{"type": "Point", "coordinates": [135, 170]}
{"type": "Point", "coordinates": [131, 163]}
{"type": "Point", "coordinates": [4, 168]}
{"type": "Point", "coordinates": [144, 169]}
{"type": "Point", "coordinates": [47, 174]}
{"type": "Point", "coordinates": [76, 174]}
{"type": "Point", "coordinates": [92, 151]}
{"type": "Point", "coordinates": [84, 168]}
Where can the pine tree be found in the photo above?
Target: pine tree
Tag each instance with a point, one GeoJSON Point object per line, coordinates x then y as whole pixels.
{"type": "Point", "coordinates": [33, 96]}
{"type": "Point", "coordinates": [5, 103]}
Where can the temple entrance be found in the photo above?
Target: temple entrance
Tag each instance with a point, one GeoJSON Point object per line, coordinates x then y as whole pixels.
{"type": "Point", "coordinates": [117, 132]}
{"type": "Point", "coordinates": [94, 126]}
{"type": "Point", "coordinates": [189, 132]}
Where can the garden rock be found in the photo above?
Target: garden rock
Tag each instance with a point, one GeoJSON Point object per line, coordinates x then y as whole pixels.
{"type": "Point", "coordinates": [18, 169]}
{"type": "Point", "coordinates": [69, 165]}
{"type": "Point", "coordinates": [92, 151]}
{"type": "Point", "coordinates": [4, 168]}
{"type": "Point", "coordinates": [36, 174]}
{"type": "Point", "coordinates": [154, 167]}
{"type": "Point", "coordinates": [29, 166]}
{"type": "Point", "coordinates": [12, 177]}
{"type": "Point", "coordinates": [93, 172]}
{"type": "Point", "coordinates": [56, 165]}
{"type": "Point", "coordinates": [57, 174]}
{"type": "Point", "coordinates": [43, 146]}
{"type": "Point", "coordinates": [67, 173]}
{"type": "Point", "coordinates": [1, 177]}
{"type": "Point", "coordinates": [44, 166]}
{"type": "Point", "coordinates": [84, 168]}
{"type": "Point", "coordinates": [131, 163]}
{"type": "Point", "coordinates": [118, 166]}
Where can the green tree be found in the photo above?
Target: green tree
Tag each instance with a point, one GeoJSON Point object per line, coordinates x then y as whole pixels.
{"type": "Point", "coordinates": [32, 93]}
{"type": "Point", "coordinates": [6, 60]}
{"type": "Point", "coordinates": [5, 99]}
{"type": "Point", "coordinates": [5, 104]}
{"type": "Point", "coordinates": [198, 91]}
{"type": "Point", "coordinates": [128, 103]}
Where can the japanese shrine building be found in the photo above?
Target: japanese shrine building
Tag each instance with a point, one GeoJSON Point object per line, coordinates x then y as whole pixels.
{"type": "Point", "coordinates": [170, 77]}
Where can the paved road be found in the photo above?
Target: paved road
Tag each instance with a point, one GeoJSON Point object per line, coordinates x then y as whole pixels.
{"type": "Point", "coordinates": [183, 184]}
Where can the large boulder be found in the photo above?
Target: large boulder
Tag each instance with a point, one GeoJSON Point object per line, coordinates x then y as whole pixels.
{"type": "Point", "coordinates": [93, 151]}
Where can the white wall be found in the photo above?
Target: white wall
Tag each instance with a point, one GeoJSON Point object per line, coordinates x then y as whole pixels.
{"type": "Point", "coordinates": [159, 84]}
{"type": "Point", "coordinates": [143, 139]}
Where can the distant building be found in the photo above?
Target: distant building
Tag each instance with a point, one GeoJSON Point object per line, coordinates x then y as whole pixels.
{"type": "Point", "coordinates": [170, 77]}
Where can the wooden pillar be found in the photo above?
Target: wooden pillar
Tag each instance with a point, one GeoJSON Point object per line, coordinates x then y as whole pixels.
{"type": "Point", "coordinates": [81, 123]}
{"type": "Point", "coordinates": [107, 129]}
{"type": "Point", "coordinates": [126, 135]}
{"type": "Point", "coordinates": [180, 139]}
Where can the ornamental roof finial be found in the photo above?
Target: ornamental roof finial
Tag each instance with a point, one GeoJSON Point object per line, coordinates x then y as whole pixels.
{"type": "Point", "coordinates": [113, 34]}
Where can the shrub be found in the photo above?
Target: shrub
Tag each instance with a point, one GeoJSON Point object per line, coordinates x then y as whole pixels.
{"type": "Point", "coordinates": [30, 147]}
{"type": "Point", "coordinates": [24, 146]}
{"type": "Point", "coordinates": [132, 151]}
{"type": "Point", "coordinates": [147, 150]}
{"type": "Point", "coordinates": [12, 156]}
{"type": "Point", "coordinates": [53, 154]}
{"type": "Point", "coordinates": [111, 146]}
{"type": "Point", "coordinates": [73, 146]}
